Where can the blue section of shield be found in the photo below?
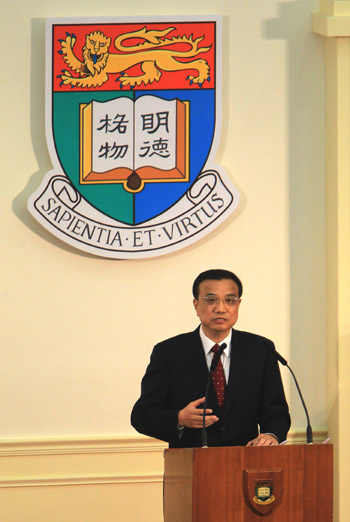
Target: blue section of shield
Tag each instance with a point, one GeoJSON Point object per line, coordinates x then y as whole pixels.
{"type": "Point", "coordinates": [155, 198]}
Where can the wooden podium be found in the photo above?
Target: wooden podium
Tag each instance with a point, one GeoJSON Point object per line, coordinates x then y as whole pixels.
{"type": "Point", "coordinates": [288, 483]}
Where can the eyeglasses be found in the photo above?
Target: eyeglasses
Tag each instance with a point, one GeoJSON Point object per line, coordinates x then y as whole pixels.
{"type": "Point", "coordinates": [214, 300]}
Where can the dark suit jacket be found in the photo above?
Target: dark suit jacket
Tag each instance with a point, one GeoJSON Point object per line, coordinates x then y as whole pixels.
{"type": "Point", "coordinates": [177, 375]}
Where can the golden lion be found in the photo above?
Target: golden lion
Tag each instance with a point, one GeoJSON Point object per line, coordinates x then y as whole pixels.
{"type": "Point", "coordinates": [98, 62]}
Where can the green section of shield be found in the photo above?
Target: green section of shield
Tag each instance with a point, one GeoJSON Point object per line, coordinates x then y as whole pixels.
{"type": "Point", "coordinates": [111, 199]}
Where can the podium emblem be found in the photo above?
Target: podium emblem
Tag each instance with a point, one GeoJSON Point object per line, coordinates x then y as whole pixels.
{"type": "Point", "coordinates": [263, 492]}
{"type": "Point", "coordinates": [263, 489]}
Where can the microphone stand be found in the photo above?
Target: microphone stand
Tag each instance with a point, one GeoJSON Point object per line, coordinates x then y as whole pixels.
{"type": "Point", "coordinates": [309, 436]}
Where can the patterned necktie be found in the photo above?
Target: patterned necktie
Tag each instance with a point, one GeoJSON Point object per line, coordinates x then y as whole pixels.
{"type": "Point", "coordinates": [218, 378]}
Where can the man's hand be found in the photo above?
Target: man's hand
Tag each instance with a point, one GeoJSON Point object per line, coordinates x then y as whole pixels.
{"type": "Point", "coordinates": [192, 416]}
{"type": "Point", "coordinates": [264, 439]}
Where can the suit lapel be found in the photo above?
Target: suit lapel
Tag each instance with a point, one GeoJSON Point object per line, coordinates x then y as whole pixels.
{"type": "Point", "coordinates": [194, 357]}
{"type": "Point", "coordinates": [239, 360]}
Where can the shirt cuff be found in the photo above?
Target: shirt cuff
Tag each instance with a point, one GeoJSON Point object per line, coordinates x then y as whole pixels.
{"type": "Point", "coordinates": [272, 435]}
{"type": "Point", "coordinates": [180, 430]}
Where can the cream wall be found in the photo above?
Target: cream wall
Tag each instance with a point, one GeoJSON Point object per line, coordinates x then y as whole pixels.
{"type": "Point", "coordinates": [77, 330]}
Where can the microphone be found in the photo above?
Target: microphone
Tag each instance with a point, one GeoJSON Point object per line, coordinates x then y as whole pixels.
{"type": "Point", "coordinates": [309, 436]}
{"type": "Point", "coordinates": [213, 365]}
{"type": "Point", "coordinates": [216, 357]}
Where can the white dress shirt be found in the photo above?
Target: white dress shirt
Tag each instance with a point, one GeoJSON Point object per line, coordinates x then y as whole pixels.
{"type": "Point", "coordinates": [226, 354]}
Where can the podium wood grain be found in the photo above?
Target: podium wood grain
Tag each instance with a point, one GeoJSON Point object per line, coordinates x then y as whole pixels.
{"type": "Point", "coordinates": [206, 484]}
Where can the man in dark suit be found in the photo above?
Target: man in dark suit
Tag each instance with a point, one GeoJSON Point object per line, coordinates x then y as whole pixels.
{"type": "Point", "coordinates": [251, 410]}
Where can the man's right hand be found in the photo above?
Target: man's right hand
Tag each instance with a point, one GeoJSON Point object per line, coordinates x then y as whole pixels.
{"type": "Point", "coordinates": [192, 416]}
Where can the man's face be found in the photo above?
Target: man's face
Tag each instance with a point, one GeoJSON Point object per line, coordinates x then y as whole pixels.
{"type": "Point", "coordinates": [217, 319]}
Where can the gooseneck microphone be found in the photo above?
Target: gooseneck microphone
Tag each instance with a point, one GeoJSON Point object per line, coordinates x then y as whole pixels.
{"type": "Point", "coordinates": [309, 436]}
{"type": "Point", "coordinates": [213, 365]}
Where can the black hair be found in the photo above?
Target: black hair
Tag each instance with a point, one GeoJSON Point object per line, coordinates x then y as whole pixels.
{"type": "Point", "coordinates": [217, 274]}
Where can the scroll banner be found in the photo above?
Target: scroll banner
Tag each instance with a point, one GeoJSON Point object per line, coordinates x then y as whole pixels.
{"type": "Point", "coordinates": [61, 208]}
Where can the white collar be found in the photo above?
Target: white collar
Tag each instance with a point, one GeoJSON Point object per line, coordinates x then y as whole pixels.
{"type": "Point", "coordinates": [209, 343]}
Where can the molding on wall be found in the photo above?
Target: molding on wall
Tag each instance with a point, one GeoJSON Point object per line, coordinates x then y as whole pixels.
{"type": "Point", "coordinates": [299, 437]}
{"type": "Point", "coordinates": [333, 19]}
{"type": "Point", "coordinates": [71, 473]}
{"type": "Point", "coordinates": [81, 481]}
{"type": "Point", "coordinates": [20, 457]}
{"type": "Point", "coordinates": [119, 444]}
{"type": "Point", "coordinates": [83, 445]}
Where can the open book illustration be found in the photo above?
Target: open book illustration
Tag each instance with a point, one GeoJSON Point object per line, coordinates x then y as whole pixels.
{"type": "Point", "coordinates": [134, 141]}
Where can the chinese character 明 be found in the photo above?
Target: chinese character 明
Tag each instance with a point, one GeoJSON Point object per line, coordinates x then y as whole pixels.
{"type": "Point", "coordinates": [152, 124]}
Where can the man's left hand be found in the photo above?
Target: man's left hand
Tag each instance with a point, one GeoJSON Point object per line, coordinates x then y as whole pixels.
{"type": "Point", "coordinates": [264, 439]}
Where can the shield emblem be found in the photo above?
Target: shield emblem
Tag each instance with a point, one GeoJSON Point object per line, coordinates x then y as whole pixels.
{"type": "Point", "coordinates": [133, 112]}
{"type": "Point", "coordinates": [263, 489]}
{"type": "Point", "coordinates": [263, 492]}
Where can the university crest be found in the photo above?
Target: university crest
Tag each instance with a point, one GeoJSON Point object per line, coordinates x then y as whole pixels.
{"type": "Point", "coordinates": [133, 116]}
